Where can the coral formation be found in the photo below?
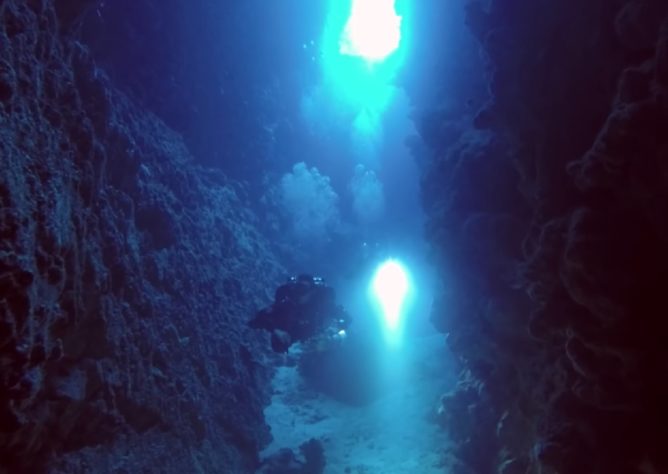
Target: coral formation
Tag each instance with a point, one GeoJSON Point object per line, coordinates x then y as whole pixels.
{"type": "Point", "coordinates": [549, 213]}
{"type": "Point", "coordinates": [126, 276]}
{"type": "Point", "coordinates": [308, 200]}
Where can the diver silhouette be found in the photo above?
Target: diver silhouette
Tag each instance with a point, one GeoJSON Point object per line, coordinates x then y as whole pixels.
{"type": "Point", "coordinates": [303, 307]}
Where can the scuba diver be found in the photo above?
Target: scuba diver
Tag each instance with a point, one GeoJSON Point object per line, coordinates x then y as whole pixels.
{"type": "Point", "coordinates": [303, 307]}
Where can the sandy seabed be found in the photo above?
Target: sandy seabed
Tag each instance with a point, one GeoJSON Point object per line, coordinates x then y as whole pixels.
{"type": "Point", "coordinates": [395, 434]}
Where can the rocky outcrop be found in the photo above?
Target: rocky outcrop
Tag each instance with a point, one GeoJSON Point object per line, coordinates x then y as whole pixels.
{"type": "Point", "coordinates": [126, 276]}
{"type": "Point", "coordinates": [548, 218]}
{"type": "Point", "coordinates": [226, 75]}
{"type": "Point", "coordinates": [310, 460]}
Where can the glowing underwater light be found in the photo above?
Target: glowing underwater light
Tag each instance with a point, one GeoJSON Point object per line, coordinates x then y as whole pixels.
{"type": "Point", "coordinates": [390, 287]}
{"type": "Point", "coordinates": [364, 44]}
{"type": "Point", "coordinates": [373, 30]}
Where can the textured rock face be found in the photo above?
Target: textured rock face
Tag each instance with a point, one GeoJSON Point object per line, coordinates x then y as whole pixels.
{"type": "Point", "coordinates": [126, 275]}
{"type": "Point", "coordinates": [549, 215]}
{"type": "Point", "coordinates": [224, 74]}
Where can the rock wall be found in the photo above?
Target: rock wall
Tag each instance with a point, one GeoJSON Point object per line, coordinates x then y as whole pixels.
{"type": "Point", "coordinates": [229, 76]}
{"type": "Point", "coordinates": [548, 219]}
{"type": "Point", "coordinates": [126, 276]}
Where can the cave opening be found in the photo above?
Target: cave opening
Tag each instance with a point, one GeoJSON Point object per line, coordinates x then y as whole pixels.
{"type": "Point", "coordinates": [333, 236]}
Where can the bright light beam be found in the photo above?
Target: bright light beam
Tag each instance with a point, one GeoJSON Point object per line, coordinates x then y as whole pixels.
{"type": "Point", "coordinates": [390, 286]}
{"type": "Point", "coordinates": [364, 43]}
{"type": "Point", "coordinates": [373, 30]}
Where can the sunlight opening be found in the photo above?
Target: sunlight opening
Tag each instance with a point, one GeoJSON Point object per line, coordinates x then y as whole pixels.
{"type": "Point", "coordinates": [373, 30]}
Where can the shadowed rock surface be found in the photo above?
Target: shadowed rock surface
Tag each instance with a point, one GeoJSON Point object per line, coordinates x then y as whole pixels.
{"type": "Point", "coordinates": [126, 277]}
{"type": "Point", "coordinates": [548, 217]}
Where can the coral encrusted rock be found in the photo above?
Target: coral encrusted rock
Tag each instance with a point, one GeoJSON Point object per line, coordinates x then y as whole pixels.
{"type": "Point", "coordinates": [126, 276]}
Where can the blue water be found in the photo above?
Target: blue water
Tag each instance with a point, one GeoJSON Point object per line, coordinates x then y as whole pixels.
{"type": "Point", "coordinates": [324, 144]}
